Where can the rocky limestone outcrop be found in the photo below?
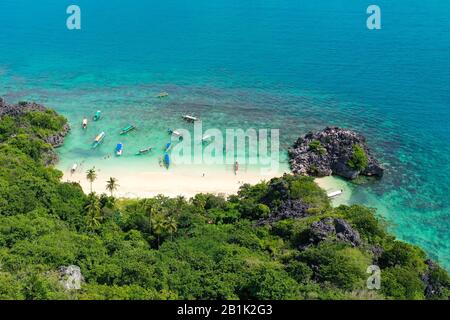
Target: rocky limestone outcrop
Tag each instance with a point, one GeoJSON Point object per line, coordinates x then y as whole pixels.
{"type": "Point", "coordinates": [55, 140]}
{"type": "Point", "coordinates": [433, 287]}
{"type": "Point", "coordinates": [70, 277]}
{"type": "Point", "coordinates": [336, 229]}
{"type": "Point", "coordinates": [19, 109]}
{"type": "Point", "coordinates": [332, 155]}
{"type": "Point", "coordinates": [287, 210]}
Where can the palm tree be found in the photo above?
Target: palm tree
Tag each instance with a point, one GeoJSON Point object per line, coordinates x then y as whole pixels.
{"type": "Point", "coordinates": [91, 175]}
{"type": "Point", "coordinates": [159, 226]}
{"type": "Point", "coordinates": [171, 226]}
{"type": "Point", "coordinates": [111, 185]}
{"type": "Point", "coordinates": [93, 212]}
{"type": "Point", "coordinates": [149, 208]}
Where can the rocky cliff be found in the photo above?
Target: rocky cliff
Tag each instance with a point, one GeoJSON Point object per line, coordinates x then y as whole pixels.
{"type": "Point", "coordinates": [333, 151]}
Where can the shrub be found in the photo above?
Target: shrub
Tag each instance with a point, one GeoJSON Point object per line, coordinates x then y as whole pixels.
{"type": "Point", "coordinates": [317, 147]}
{"type": "Point", "coordinates": [358, 160]}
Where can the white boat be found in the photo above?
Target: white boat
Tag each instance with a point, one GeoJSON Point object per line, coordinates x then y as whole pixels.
{"type": "Point", "coordinates": [176, 133]}
{"type": "Point", "coordinates": [206, 139]}
{"type": "Point", "coordinates": [74, 168]}
{"type": "Point", "coordinates": [190, 118]}
{"type": "Point", "coordinates": [84, 124]}
{"type": "Point", "coordinates": [333, 194]}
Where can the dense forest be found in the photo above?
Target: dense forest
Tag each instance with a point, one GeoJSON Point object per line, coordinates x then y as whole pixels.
{"type": "Point", "coordinates": [279, 239]}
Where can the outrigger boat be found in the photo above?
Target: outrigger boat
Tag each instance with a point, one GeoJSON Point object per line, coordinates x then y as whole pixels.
{"type": "Point", "coordinates": [84, 123]}
{"type": "Point", "coordinates": [206, 139]}
{"type": "Point", "coordinates": [334, 194]}
{"type": "Point", "coordinates": [119, 149]}
{"type": "Point", "coordinates": [166, 160]}
{"type": "Point", "coordinates": [144, 151]}
{"type": "Point", "coordinates": [190, 118]}
{"type": "Point", "coordinates": [162, 94]}
{"type": "Point", "coordinates": [97, 115]}
{"type": "Point", "coordinates": [168, 146]}
{"type": "Point", "coordinates": [127, 129]}
{"type": "Point", "coordinates": [98, 139]}
{"type": "Point", "coordinates": [176, 134]}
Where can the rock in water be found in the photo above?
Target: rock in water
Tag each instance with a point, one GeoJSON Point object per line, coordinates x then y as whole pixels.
{"type": "Point", "coordinates": [329, 152]}
{"type": "Point", "coordinates": [71, 277]}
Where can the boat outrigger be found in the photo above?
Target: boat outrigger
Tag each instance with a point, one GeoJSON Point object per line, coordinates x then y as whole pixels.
{"type": "Point", "coordinates": [98, 139]}
{"type": "Point", "coordinates": [190, 118]}
{"type": "Point", "coordinates": [162, 94]}
{"type": "Point", "coordinates": [119, 149]}
{"type": "Point", "coordinates": [84, 123]}
{"type": "Point", "coordinates": [144, 151]}
{"type": "Point", "coordinates": [166, 160]}
{"type": "Point", "coordinates": [97, 115]}
{"type": "Point", "coordinates": [127, 129]}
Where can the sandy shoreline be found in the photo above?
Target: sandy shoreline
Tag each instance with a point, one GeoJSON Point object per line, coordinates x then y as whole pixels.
{"type": "Point", "coordinates": [187, 183]}
{"type": "Point", "coordinates": [170, 183]}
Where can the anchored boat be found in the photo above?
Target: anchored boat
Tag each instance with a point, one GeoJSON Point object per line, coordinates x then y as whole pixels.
{"type": "Point", "coordinates": [166, 160]}
{"type": "Point", "coordinates": [119, 149]}
{"type": "Point", "coordinates": [144, 151]}
{"type": "Point", "coordinates": [97, 115]}
{"type": "Point", "coordinates": [176, 133]}
{"type": "Point", "coordinates": [206, 139]}
{"type": "Point", "coordinates": [127, 129]}
{"type": "Point", "coordinates": [162, 94]}
{"type": "Point", "coordinates": [98, 139]}
{"type": "Point", "coordinates": [190, 118]}
{"type": "Point", "coordinates": [334, 194]}
{"type": "Point", "coordinates": [84, 123]}
{"type": "Point", "coordinates": [74, 168]}
{"type": "Point", "coordinates": [168, 146]}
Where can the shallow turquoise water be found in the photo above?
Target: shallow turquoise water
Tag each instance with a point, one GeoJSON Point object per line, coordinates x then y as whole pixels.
{"type": "Point", "coordinates": [293, 65]}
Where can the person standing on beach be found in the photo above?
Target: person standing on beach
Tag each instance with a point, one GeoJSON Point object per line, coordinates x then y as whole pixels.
{"type": "Point", "coordinates": [236, 168]}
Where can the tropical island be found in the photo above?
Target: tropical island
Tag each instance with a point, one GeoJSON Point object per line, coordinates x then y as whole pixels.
{"type": "Point", "coordinates": [280, 239]}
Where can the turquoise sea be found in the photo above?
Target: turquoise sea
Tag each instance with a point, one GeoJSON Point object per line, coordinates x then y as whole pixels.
{"type": "Point", "coordinates": [293, 64]}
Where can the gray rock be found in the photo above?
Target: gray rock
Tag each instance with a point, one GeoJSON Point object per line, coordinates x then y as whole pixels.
{"type": "Point", "coordinates": [70, 277]}
{"type": "Point", "coordinates": [336, 229]}
{"type": "Point", "coordinates": [433, 287]}
{"type": "Point", "coordinates": [56, 140]}
{"type": "Point", "coordinates": [335, 152]}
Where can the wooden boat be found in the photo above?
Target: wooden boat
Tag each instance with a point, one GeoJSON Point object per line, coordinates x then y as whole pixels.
{"type": "Point", "coordinates": [84, 124]}
{"type": "Point", "coordinates": [206, 139]}
{"type": "Point", "coordinates": [127, 129]}
{"type": "Point", "coordinates": [175, 133]}
{"type": "Point", "coordinates": [119, 149]}
{"type": "Point", "coordinates": [190, 118]}
{"type": "Point", "coordinates": [144, 151]}
{"type": "Point", "coordinates": [166, 160]}
{"type": "Point", "coordinates": [98, 139]}
{"type": "Point", "coordinates": [335, 193]}
{"type": "Point", "coordinates": [162, 94]}
{"type": "Point", "coordinates": [97, 115]}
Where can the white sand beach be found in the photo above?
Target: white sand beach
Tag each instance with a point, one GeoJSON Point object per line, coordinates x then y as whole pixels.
{"type": "Point", "coordinates": [172, 183]}
{"type": "Point", "coordinates": [187, 182]}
